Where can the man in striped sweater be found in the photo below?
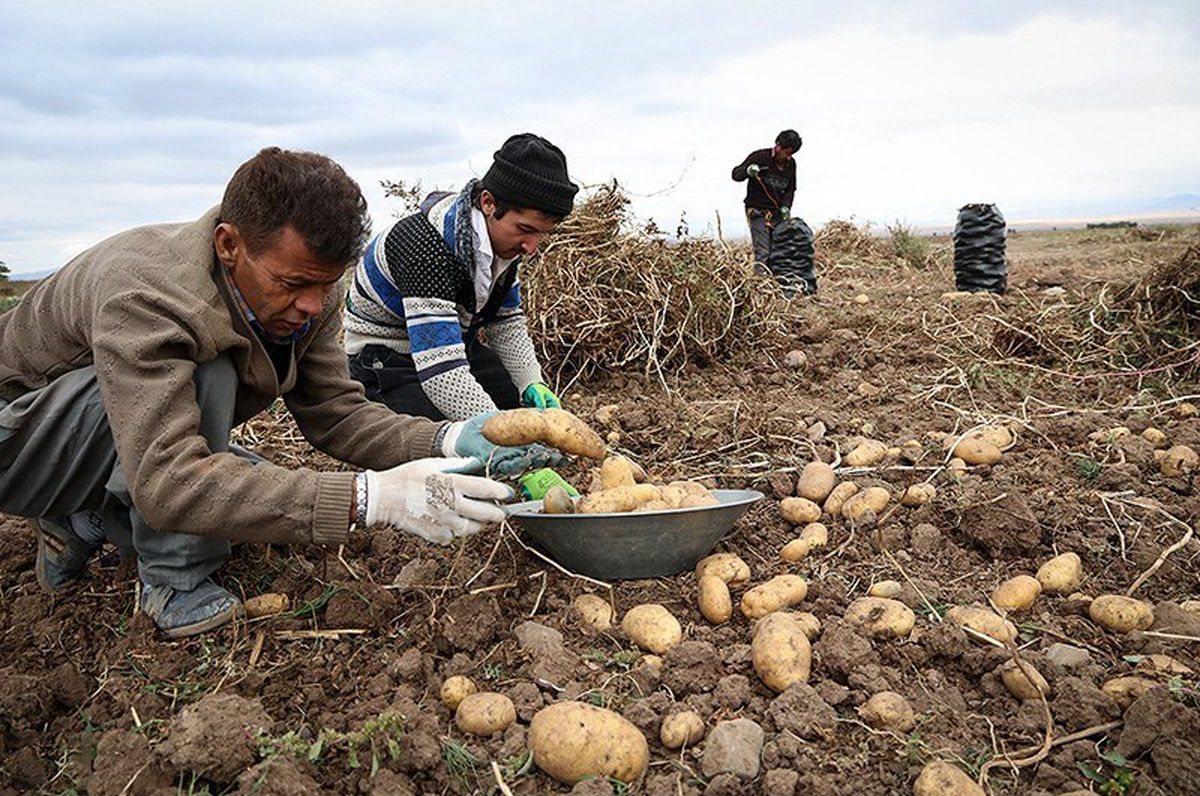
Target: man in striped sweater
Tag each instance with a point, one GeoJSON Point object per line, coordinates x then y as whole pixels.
{"type": "Point", "coordinates": [432, 284]}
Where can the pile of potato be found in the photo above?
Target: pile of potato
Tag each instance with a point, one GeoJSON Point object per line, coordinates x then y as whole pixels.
{"type": "Point", "coordinates": [621, 486]}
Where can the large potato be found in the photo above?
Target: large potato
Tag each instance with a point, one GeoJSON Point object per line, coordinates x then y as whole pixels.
{"type": "Point", "coordinates": [816, 534]}
{"type": "Point", "coordinates": [616, 471]}
{"type": "Point", "coordinates": [816, 481]}
{"type": "Point", "coordinates": [593, 611]}
{"type": "Point", "coordinates": [715, 603]}
{"type": "Point", "coordinates": [617, 500]}
{"type": "Point", "coordinates": [918, 495]}
{"type": "Point", "coordinates": [799, 511]}
{"type": "Point", "coordinates": [808, 622]}
{"type": "Point", "coordinates": [874, 499]}
{"type": "Point", "coordinates": [1155, 437]}
{"type": "Point", "coordinates": [983, 620]}
{"type": "Point", "coordinates": [1179, 461]}
{"type": "Point", "coordinates": [974, 450]}
{"type": "Point", "coordinates": [1024, 682]}
{"type": "Point", "coordinates": [455, 689]}
{"type": "Point", "coordinates": [572, 740]}
{"type": "Point", "coordinates": [942, 779]}
{"type": "Point", "coordinates": [887, 710]}
{"type": "Point", "coordinates": [485, 713]}
{"type": "Point", "coordinates": [557, 428]}
{"type": "Point", "coordinates": [881, 616]}
{"type": "Point", "coordinates": [557, 501]}
{"type": "Point", "coordinates": [780, 591]}
{"type": "Point", "coordinates": [838, 497]}
{"type": "Point", "coordinates": [1017, 593]}
{"type": "Point", "coordinates": [1121, 614]}
{"type": "Point", "coordinates": [780, 651]}
{"type": "Point", "coordinates": [726, 566]}
{"type": "Point", "coordinates": [1061, 574]}
{"type": "Point", "coordinates": [795, 550]}
{"type": "Point", "coordinates": [867, 453]}
{"type": "Point", "coordinates": [652, 627]}
{"type": "Point", "coordinates": [684, 728]}
{"type": "Point", "coordinates": [1127, 690]}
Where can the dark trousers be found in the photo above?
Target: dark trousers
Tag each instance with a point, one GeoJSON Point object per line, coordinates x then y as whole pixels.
{"type": "Point", "coordinates": [390, 378]}
{"type": "Point", "coordinates": [57, 458]}
{"type": "Point", "coordinates": [761, 232]}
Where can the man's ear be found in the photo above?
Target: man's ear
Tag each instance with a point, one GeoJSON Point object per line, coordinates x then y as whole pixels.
{"type": "Point", "coordinates": [226, 241]}
{"type": "Point", "coordinates": [487, 203]}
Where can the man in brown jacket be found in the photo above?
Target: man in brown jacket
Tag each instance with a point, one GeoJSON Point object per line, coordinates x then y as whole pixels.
{"type": "Point", "coordinates": [122, 375]}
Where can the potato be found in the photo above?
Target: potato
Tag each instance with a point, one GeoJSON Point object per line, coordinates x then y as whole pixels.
{"type": "Point", "coordinates": [1024, 682]}
{"type": "Point", "coordinates": [616, 471]}
{"type": "Point", "coordinates": [795, 550]}
{"type": "Point", "coordinates": [888, 710]}
{"type": "Point", "coordinates": [573, 740]}
{"type": "Point", "coordinates": [618, 500]}
{"type": "Point", "coordinates": [557, 501]}
{"type": "Point", "coordinates": [780, 591]}
{"type": "Point", "coordinates": [799, 511]}
{"type": "Point", "coordinates": [1186, 409]}
{"type": "Point", "coordinates": [974, 450]}
{"type": "Point", "coordinates": [455, 689]}
{"type": "Point", "coordinates": [1191, 606]}
{"type": "Point", "coordinates": [867, 453]}
{"type": "Point", "coordinates": [1155, 437]}
{"type": "Point", "coordinates": [780, 651]}
{"type": "Point", "coordinates": [881, 616]}
{"type": "Point", "coordinates": [726, 566]}
{"type": "Point", "coordinates": [593, 611]}
{"type": "Point", "coordinates": [655, 505]}
{"type": "Point", "coordinates": [1061, 574]}
{"type": "Point", "coordinates": [1127, 690]}
{"type": "Point", "coordinates": [695, 494]}
{"type": "Point", "coordinates": [817, 480]}
{"type": "Point", "coordinates": [1121, 614]}
{"type": "Point", "coordinates": [838, 497]}
{"type": "Point", "coordinates": [1108, 436]}
{"type": "Point", "coordinates": [1163, 663]}
{"type": "Point", "coordinates": [652, 627]}
{"type": "Point", "coordinates": [672, 495]}
{"type": "Point", "coordinates": [1017, 593]}
{"type": "Point", "coordinates": [684, 728]}
{"type": "Point", "coordinates": [557, 428]}
{"type": "Point", "coordinates": [918, 495]}
{"type": "Point", "coordinates": [997, 436]}
{"type": "Point", "coordinates": [885, 588]}
{"type": "Point", "coordinates": [715, 603]}
{"type": "Point", "coordinates": [265, 605]}
{"type": "Point", "coordinates": [808, 623]}
{"type": "Point", "coordinates": [956, 468]}
{"type": "Point", "coordinates": [1179, 461]}
{"type": "Point", "coordinates": [699, 501]}
{"type": "Point", "coordinates": [874, 498]}
{"type": "Point", "coordinates": [942, 779]}
{"type": "Point", "coordinates": [651, 661]}
{"type": "Point", "coordinates": [816, 534]}
{"type": "Point", "coordinates": [983, 620]}
{"type": "Point", "coordinates": [484, 713]}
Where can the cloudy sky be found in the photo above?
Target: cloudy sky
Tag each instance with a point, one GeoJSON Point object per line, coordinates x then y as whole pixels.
{"type": "Point", "coordinates": [120, 113]}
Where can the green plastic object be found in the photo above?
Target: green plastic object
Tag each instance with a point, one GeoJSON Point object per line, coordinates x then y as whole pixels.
{"type": "Point", "coordinates": [535, 485]}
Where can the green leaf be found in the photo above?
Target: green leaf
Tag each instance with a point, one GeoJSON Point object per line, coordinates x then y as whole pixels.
{"type": "Point", "coordinates": [393, 748]}
{"type": "Point", "coordinates": [353, 757]}
{"type": "Point", "coordinates": [374, 763]}
{"type": "Point", "coordinates": [314, 751]}
{"type": "Point", "coordinates": [1114, 757]}
{"type": "Point", "coordinates": [1090, 773]}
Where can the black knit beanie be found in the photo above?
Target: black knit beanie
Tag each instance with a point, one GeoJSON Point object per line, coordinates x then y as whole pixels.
{"type": "Point", "coordinates": [529, 171]}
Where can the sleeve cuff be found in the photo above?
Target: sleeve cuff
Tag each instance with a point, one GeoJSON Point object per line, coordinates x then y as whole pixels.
{"type": "Point", "coordinates": [331, 514]}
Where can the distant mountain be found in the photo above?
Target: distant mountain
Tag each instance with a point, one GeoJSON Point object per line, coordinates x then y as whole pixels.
{"type": "Point", "coordinates": [1186, 202]}
{"type": "Point", "coordinates": [30, 276]}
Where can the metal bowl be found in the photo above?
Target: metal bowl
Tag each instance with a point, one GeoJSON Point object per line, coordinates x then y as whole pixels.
{"type": "Point", "coordinates": [643, 544]}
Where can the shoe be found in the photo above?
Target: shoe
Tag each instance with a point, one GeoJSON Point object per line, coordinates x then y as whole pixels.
{"type": "Point", "coordinates": [186, 613]}
{"type": "Point", "coordinates": [62, 556]}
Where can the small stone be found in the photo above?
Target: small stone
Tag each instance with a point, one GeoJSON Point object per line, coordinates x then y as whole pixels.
{"type": "Point", "coordinates": [795, 359]}
{"type": "Point", "coordinates": [733, 747]}
{"type": "Point", "coordinates": [1066, 656]}
{"type": "Point", "coordinates": [780, 781]}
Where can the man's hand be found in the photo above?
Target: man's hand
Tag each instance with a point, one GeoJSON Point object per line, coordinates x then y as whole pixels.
{"type": "Point", "coordinates": [753, 169]}
{"type": "Point", "coordinates": [465, 438]}
{"type": "Point", "coordinates": [785, 212]}
{"type": "Point", "coordinates": [433, 499]}
{"type": "Point", "coordinates": [539, 396]}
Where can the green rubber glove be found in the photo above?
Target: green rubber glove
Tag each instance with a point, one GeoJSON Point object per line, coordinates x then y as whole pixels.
{"type": "Point", "coordinates": [539, 396]}
{"type": "Point", "coordinates": [535, 485]}
{"type": "Point", "coordinates": [753, 169]}
{"type": "Point", "coordinates": [786, 212]}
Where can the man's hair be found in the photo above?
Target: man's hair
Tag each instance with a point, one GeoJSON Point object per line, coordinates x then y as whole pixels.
{"type": "Point", "coordinates": [789, 139]}
{"type": "Point", "coordinates": [278, 188]}
{"type": "Point", "coordinates": [502, 206]}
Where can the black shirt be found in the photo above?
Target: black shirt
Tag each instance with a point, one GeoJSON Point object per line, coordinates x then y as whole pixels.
{"type": "Point", "coordinates": [778, 179]}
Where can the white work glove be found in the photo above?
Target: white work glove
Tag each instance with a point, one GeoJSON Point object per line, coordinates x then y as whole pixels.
{"type": "Point", "coordinates": [753, 169]}
{"type": "Point", "coordinates": [433, 499]}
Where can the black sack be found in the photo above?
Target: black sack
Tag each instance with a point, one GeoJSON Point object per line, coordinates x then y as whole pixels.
{"type": "Point", "coordinates": [979, 260]}
{"type": "Point", "coordinates": [791, 257]}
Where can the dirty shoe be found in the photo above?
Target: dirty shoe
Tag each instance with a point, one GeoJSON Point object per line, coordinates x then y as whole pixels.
{"type": "Point", "coordinates": [186, 613]}
{"type": "Point", "coordinates": [62, 552]}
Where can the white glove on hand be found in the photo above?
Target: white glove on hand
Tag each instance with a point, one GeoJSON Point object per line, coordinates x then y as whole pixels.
{"type": "Point", "coordinates": [433, 499]}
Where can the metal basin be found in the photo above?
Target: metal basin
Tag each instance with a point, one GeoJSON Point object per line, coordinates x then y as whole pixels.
{"type": "Point", "coordinates": [637, 545]}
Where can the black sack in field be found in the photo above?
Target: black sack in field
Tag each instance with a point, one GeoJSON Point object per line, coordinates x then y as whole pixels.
{"type": "Point", "coordinates": [979, 260]}
{"type": "Point", "coordinates": [791, 257]}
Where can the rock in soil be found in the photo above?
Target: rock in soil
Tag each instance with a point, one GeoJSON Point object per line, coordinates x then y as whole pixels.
{"type": "Point", "coordinates": [1067, 657]}
{"type": "Point", "coordinates": [801, 710]}
{"type": "Point", "coordinates": [733, 747]}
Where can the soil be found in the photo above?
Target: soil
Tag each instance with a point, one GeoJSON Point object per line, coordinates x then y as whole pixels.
{"type": "Point", "coordinates": [342, 694]}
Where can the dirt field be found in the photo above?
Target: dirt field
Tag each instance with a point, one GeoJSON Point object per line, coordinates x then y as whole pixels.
{"type": "Point", "coordinates": [345, 688]}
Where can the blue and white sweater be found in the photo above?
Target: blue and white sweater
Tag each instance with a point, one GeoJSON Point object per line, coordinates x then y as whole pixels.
{"type": "Point", "coordinates": [414, 292]}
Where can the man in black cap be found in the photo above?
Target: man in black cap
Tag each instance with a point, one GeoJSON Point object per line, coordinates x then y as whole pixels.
{"type": "Point", "coordinates": [431, 282]}
{"type": "Point", "coordinates": [770, 176]}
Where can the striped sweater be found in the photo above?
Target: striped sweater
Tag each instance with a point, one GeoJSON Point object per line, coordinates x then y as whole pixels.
{"type": "Point", "coordinates": [414, 292]}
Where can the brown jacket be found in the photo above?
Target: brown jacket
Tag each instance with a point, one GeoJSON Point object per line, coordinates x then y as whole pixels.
{"type": "Point", "coordinates": [146, 306]}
